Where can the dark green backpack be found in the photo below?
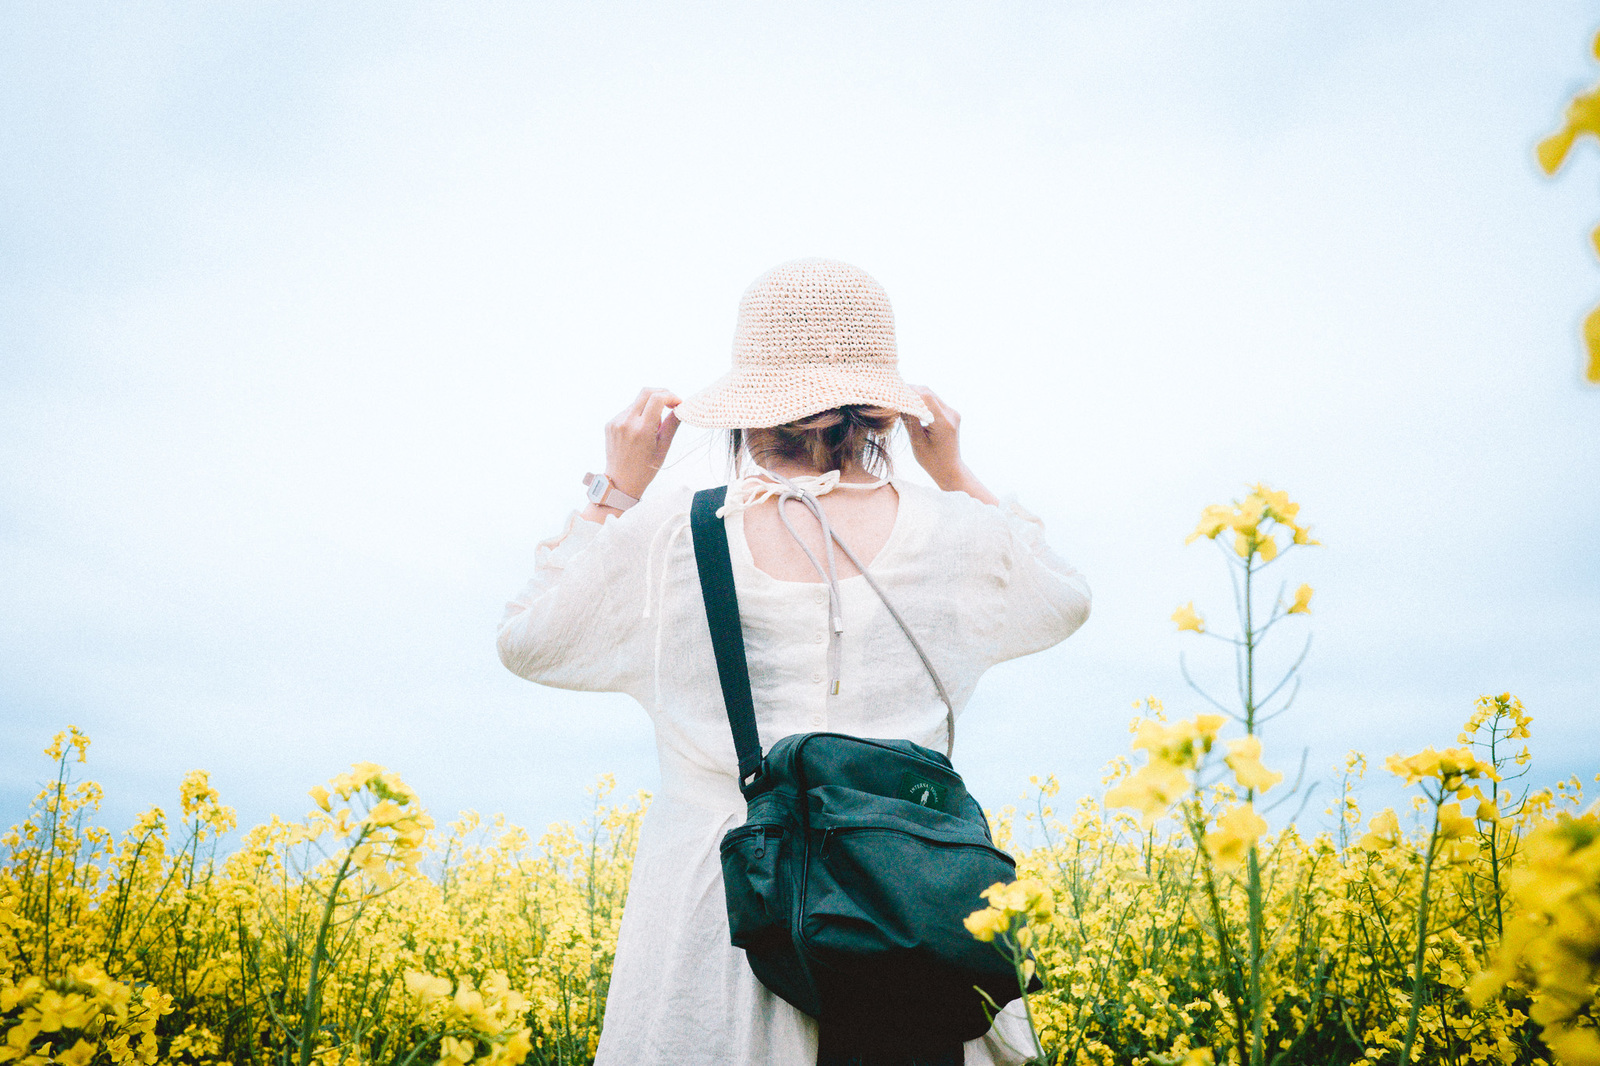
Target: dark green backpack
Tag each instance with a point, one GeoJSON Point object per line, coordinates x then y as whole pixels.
{"type": "Point", "coordinates": [848, 882]}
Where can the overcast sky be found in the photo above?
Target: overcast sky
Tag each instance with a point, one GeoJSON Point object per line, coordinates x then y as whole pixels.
{"type": "Point", "coordinates": [311, 315]}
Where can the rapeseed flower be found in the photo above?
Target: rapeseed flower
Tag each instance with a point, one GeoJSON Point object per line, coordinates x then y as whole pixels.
{"type": "Point", "coordinates": [1237, 832]}
{"type": "Point", "coordinates": [1383, 832]}
{"type": "Point", "coordinates": [1244, 759]}
{"type": "Point", "coordinates": [1450, 767]}
{"type": "Point", "coordinates": [1151, 789]}
{"type": "Point", "coordinates": [1187, 618]}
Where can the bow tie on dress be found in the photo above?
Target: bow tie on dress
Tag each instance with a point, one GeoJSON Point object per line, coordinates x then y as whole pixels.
{"type": "Point", "coordinates": [756, 488]}
{"type": "Point", "coordinates": [762, 485]}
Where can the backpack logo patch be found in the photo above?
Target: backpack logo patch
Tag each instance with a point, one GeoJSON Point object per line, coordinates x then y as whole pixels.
{"type": "Point", "coordinates": [922, 792]}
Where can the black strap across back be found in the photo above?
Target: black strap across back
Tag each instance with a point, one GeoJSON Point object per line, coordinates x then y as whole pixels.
{"type": "Point", "coordinates": [727, 638]}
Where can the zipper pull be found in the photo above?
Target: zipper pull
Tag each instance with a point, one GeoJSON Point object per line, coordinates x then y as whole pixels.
{"type": "Point", "coordinates": [827, 834]}
{"type": "Point", "coordinates": [761, 841]}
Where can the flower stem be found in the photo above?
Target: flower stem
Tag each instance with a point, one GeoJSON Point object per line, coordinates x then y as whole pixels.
{"type": "Point", "coordinates": [1422, 936]}
{"type": "Point", "coordinates": [311, 1012]}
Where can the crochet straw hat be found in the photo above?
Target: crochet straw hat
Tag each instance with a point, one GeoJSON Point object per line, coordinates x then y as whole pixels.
{"type": "Point", "coordinates": [813, 334]}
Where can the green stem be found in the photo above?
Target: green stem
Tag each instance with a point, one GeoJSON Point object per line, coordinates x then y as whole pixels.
{"type": "Point", "coordinates": [1257, 1020]}
{"type": "Point", "coordinates": [311, 1012]}
{"type": "Point", "coordinates": [50, 853]}
{"type": "Point", "coordinates": [1249, 656]}
{"type": "Point", "coordinates": [1019, 955]}
{"type": "Point", "coordinates": [1422, 935]}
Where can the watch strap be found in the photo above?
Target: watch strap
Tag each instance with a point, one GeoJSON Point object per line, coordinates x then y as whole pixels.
{"type": "Point", "coordinates": [612, 496]}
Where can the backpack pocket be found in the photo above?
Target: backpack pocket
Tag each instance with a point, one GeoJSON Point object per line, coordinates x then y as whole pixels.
{"type": "Point", "coordinates": [881, 923]}
{"type": "Point", "coordinates": [886, 891]}
{"type": "Point", "coordinates": [753, 881]}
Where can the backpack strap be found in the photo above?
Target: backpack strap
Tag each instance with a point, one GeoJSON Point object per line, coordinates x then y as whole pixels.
{"type": "Point", "coordinates": [727, 638]}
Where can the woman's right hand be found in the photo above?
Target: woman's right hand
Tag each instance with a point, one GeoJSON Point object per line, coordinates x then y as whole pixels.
{"type": "Point", "coordinates": [638, 438]}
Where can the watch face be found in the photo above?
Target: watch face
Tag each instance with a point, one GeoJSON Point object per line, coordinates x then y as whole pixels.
{"type": "Point", "coordinates": [597, 488]}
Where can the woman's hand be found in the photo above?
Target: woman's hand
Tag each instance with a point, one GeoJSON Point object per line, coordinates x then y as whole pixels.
{"type": "Point", "coordinates": [937, 448]}
{"type": "Point", "coordinates": [637, 440]}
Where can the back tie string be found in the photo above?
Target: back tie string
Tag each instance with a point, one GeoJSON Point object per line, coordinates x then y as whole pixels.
{"type": "Point", "coordinates": [753, 489]}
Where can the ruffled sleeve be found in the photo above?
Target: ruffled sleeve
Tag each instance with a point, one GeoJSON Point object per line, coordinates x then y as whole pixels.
{"type": "Point", "coordinates": [1045, 598]}
{"type": "Point", "coordinates": [579, 623]}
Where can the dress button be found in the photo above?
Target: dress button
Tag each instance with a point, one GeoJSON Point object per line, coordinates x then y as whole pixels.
{"type": "Point", "coordinates": [816, 719]}
{"type": "Point", "coordinates": [822, 595]}
{"type": "Point", "coordinates": [816, 675]}
{"type": "Point", "coordinates": [819, 638]}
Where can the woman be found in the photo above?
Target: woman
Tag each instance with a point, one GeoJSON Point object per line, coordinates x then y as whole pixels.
{"type": "Point", "coordinates": [615, 605]}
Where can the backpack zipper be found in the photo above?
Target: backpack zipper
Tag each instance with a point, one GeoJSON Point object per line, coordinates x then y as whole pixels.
{"type": "Point", "coordinates": [827, 835]}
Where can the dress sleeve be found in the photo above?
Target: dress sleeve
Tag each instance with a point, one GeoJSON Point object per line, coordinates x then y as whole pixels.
{"type": "Point", "coordinates": [1045, 599]}
{"type": "Point", "coordinates": [579, 623]}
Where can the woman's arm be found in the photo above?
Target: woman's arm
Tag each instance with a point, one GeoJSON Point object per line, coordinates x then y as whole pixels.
{"type": "Point", "coordinates": [578, 624]}
{"type": "Point", "coordinates": [1044, 599]}
{"type": "Point", "coordinates": [637, 441]}
{"type": "Point", "coordinates": [937, 448]}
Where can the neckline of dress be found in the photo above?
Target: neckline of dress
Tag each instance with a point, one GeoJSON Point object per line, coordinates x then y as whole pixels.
{"type": "Point", "coordinates": [745, 558]}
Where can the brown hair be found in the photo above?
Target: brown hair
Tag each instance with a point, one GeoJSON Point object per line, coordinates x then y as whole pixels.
{"type": "Point", "coordinates": [827, 440]}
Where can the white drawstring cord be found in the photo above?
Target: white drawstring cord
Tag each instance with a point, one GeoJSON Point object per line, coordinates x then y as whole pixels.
{"type": "Point", "coordinates": [815, 485]}
{"type": "Point", "coordinates": [752, 489]}
{"type": "Point", "coordinates": [682, 522]}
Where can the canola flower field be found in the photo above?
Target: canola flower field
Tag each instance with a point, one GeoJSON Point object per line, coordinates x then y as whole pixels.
{"type": "Point", "coordinates": [1180, 919]}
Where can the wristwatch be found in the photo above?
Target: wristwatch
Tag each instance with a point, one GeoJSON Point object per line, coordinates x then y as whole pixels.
{"type": "Point", "coordinates": [605, 493]}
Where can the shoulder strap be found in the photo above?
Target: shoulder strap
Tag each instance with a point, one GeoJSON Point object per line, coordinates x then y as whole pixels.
{"type": "Point", "coordinates": [722, 614]}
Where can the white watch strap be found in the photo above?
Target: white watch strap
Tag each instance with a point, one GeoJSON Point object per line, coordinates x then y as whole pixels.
{"type": "Point", "coordinates": [611, 496]}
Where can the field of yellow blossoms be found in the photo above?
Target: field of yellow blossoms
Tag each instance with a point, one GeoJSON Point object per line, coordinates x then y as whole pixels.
{"type": "Point", "coordinates": [1180, 918]}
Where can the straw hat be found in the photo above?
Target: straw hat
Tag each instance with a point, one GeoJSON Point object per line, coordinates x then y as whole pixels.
{"type": "Point", "coordinates": [813, 334]}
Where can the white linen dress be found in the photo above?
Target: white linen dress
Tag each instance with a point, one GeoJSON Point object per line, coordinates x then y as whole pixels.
{"type": "Point", "coordinates": [616, 607]}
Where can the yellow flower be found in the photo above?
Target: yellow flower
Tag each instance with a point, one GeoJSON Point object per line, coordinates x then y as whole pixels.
{"type": "Point", "coordinates": [1449, 767]}
{"type": "Point", "coordinates": [1248, 515]}
{"type": "Point", "coordinates": [1278, 506]}
{"type": "Point", "coordinates": [1573, 1047]}
{"type": "Point", "coordinates": [1453, 824]}
{"type": "Point", "coordinates": [1583, 116]}
{"type": "Point", "coordinates": [1181, 743]}
{"type": "Point", "coordinates": [426, 987]}
{"type": "Point", "coordinates": [1591, 341]}
{"type": "Point", "coordinates": [1212, 521]}
{"type": "Point", "coordinates": [78, 1055]}
{"type": "Point", "coordinates": [1267, 547]}
{"type": "Point", "coordinates": [520, 1044]}
{"type": "Point", "coordinates": [1188, 618]}
{"type": "Point", "coordinates": [1551, 943]}
{"type": "Point", "coordinates": [1244, 759]}
{"type": "Point", "coordinates": [1302, 600]}
{"type": "Point", "coordinates": [1028, 896]}
{"type": "Point", "coordinates": [1237, 831]}
{"type": "Point", "coordinates": [320, 795]}
{"type": "Point", "coordinates": [456, 1052]}
{"type": "Point", "coordinates": [1198, 1057]}
{"type": "Point", "coordinates": [986, 924]}
{"type": "Point", "coordinates": [384, 813]}
{"type": "Point", "coordinates": [1383, 833]}
{"type": "Point", "coordinates": [1151, 789]}
{"type": "Point", "coordinates": [1302, 534]}
{"type": "Point", "coordinates": [1459, 850]}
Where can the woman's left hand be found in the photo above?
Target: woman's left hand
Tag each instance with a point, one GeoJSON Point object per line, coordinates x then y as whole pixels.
{"type": "Point", "coordinates": [937, 448]}
{"type": "Point", "coordinates": [637, 441]}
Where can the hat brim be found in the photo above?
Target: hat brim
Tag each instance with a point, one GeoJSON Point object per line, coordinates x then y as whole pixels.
{"type": "Point", "coordinates": [759, 398]}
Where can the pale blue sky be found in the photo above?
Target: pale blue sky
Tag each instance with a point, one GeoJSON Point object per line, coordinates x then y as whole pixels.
{"type": "Point", "coordinates": [310, 316]}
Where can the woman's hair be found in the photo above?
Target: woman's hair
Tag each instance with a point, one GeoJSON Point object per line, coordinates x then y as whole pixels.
{"type": "Point", "coordinates": [827, 440]}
